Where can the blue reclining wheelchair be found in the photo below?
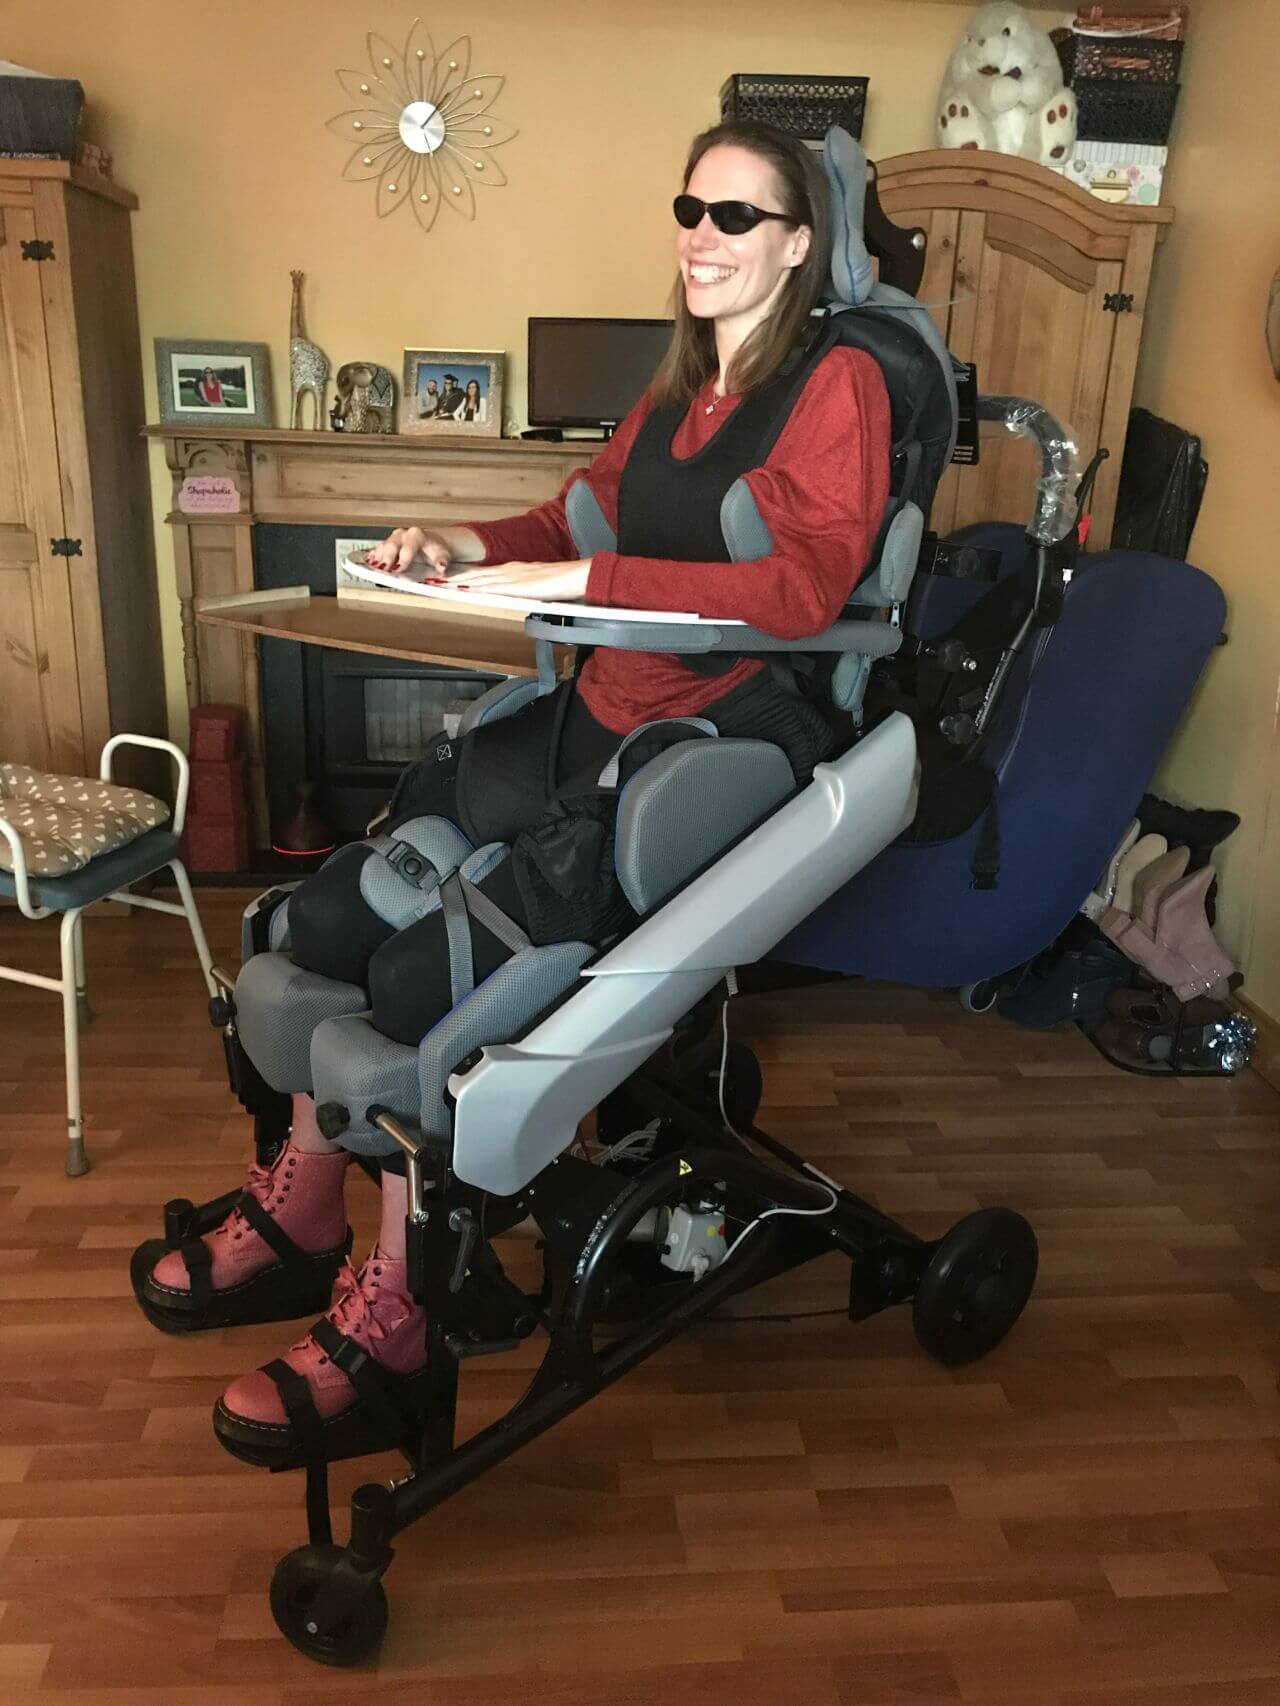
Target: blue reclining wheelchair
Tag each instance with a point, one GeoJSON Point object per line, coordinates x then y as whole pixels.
{"type": "Point", "coordinates": [721, 857]}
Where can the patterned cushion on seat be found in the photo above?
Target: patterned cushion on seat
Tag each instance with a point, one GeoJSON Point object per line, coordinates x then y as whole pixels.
{"type": "Point", "coordinates": [65, 821]}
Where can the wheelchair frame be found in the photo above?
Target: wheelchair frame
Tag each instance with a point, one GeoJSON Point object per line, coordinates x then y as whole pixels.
{"type": "Point", "coordinates": [967, 1288]}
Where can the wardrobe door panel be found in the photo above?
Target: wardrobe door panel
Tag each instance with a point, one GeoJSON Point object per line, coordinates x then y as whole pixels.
{"type": "Point", "coordinates": [40, 719]}
{"type": "Point", "coordinates": [1040, 330]}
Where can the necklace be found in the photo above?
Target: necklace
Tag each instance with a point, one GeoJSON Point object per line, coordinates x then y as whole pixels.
{"type": "Point", "coordinates": [711, 406]}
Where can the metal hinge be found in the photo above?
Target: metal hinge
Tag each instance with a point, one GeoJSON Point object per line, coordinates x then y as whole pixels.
{"type": "Point", "coordinates": [67, 547]}
{"type": "Point", "coordinates": [37, 249]}
{"type": "Point", "coordinates": [1117, 302]}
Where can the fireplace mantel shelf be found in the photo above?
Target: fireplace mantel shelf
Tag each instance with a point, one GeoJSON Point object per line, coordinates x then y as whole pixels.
{"type": "Point", "coordinates": [391, 442]}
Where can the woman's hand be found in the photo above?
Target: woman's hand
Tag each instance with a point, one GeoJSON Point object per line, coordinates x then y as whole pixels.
{"type": "Point", "coordinates": [549, 581]}
{"type": "Point", "coordinates": [398, 553]}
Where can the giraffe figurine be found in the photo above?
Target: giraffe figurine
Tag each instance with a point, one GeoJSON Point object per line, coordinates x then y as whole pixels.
{"type": "Point", "coordinates": [308, 364]}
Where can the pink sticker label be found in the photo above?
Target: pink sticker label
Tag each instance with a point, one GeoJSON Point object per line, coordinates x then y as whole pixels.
{"type": "Point", "coordinates": [209, 494]}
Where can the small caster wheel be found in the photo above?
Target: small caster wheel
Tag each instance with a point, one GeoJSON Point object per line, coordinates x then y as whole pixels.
{"type": "Point", "coordinates": [976, 1285]}
{"type": "Point", "coordinates": [980, 997]}
{"type": "Point", "coordinates": [299, 1579]}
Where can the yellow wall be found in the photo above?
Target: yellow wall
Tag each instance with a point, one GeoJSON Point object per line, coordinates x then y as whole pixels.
{"type": "Point", "coordinates": [1204, 364]}
{"type": "Point", "coordinates": [215, 117]}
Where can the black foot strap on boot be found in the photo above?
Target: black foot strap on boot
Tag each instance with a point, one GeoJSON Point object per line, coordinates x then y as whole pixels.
{"type": "Point", "coordinates": [298, 1283]}
{"type": "Point", "coordinates": [388, 1414]}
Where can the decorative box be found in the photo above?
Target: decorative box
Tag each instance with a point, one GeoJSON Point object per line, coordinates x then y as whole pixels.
{"type": "Point", "coordinates": [217, 790]}
{"type": "Point", "coordinates": [1126, 59]}
{"type": "Point", "coordinates": [214, 844]}
{"type": "Point", "coordinates": [1131, 18]}
{"type": "Point", "coordinates": [215, 733]}
{"type": "Point", "coordinates": [803, 106]}
{"type": "Point", "coordinates": [39, 116]}
{"type": "Point", "coordinates": [1117, 171]}
{"type": "Point", "coordinates": [1111, 111]}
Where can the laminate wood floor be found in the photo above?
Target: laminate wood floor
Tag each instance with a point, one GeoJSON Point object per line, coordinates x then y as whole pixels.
{"type": "Point", "coordinates": [797, 1513]}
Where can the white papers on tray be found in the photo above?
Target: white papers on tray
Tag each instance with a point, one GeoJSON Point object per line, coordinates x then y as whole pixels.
{"type": "Point", "coordinates": [456, 593]}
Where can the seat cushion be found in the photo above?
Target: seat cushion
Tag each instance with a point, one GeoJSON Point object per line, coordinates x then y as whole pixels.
{"type": "Point", "coordinates": [65, 821]}
{"type": "Point", "coordinates": [100, 877]}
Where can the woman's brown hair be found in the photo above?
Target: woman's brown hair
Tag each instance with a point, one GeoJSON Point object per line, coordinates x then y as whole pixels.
{"type": "Point", "coordinates": [691, 359]}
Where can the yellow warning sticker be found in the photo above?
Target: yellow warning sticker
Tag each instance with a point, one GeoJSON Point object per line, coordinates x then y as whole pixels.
{"type": "Point", "coordinates": [685, 1168]}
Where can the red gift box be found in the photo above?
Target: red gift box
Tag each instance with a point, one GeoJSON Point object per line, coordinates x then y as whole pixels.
{"type": "Point", "coordinates": [217, 790]}
{"type": "Point", "coordinates": [217, 844]}
{"type": "Point", "coordinates": [215, 733]}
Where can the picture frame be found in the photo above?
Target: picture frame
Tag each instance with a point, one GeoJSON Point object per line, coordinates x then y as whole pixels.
{"type": "Point", "coordinates": [433, 378]}
{"type": "Point", "coordinates": [209, 382]}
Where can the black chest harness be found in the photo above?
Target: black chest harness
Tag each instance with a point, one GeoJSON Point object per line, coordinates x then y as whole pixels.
{"type": "Point", "coordinates": [669, 506]}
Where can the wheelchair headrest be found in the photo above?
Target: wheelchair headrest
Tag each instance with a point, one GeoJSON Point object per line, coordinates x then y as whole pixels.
{"type": "Point", "coordinates": [845, 166]}
{"type": "Point", "coordinates": [891, 326]}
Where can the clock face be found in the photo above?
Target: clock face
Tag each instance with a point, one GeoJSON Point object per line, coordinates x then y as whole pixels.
{"type": "Point", "coordinates": [422, 127]}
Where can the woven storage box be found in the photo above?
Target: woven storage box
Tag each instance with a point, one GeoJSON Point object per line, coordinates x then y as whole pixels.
{"type": "Point", "coordinates": [1167, 23]}
{"type": "Point", "coordinates": [40, 116]}
{"type": "Point", "coordinates": [1127, 59]}
{"type": "Point", "coordinates": [1124, 112]}
{"type": "Point", "coordinates": [803, 106]}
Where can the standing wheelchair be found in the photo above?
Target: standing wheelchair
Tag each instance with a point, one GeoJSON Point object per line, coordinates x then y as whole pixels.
{"type": "Point", "coordinates": [685, 1202]}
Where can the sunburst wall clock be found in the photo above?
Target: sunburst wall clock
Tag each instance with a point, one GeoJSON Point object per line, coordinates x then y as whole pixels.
{"type": "Point", "coordinates": [423, 129]}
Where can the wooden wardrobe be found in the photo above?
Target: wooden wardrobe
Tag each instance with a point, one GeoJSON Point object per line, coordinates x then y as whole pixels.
{"type": "Point", "coordinates": [1043, 287]}
{"type": "Point", "coordinates": [79, 614]}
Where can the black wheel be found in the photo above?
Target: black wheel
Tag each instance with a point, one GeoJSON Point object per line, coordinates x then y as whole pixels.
{"type": "Point", "coordinates": [699, 1071]}
{"type": "Point", "coordinates": [976, 1285]}
{"type": "Point", "coordinates": [695, 1067]}
{"type": "Point", "coordinates": [296, 1585]}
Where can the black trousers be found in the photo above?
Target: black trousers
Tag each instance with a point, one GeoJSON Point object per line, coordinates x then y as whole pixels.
{"type": "Point", "coordinates": [494, 783]}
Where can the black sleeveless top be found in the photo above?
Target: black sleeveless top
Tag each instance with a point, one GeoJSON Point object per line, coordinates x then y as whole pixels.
{"type": "Point", "coordinates": [669, 506]}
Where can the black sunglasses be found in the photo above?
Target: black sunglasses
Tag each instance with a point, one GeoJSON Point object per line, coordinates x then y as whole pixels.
{"type": "Point", "coordinates": [734, 218]}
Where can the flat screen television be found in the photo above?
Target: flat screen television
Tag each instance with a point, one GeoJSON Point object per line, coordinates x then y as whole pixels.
{"type": "Point", "coordinates": [589, 372]}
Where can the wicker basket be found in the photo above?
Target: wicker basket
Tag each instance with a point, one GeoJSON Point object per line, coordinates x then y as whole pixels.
{"type": "Point", "coordinates": [1169, 22]}
{"type": "Point", "coordinates": [1127, 59]}
{"type": "Point", "coordinates": [40, 116]}
{"type": "Point", "coordinates": [1112, 111]}
{"type": "Point", "coordinates": [803, 106]}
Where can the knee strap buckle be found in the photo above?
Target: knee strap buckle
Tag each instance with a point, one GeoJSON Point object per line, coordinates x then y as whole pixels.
{"type": "Point", "coordinates": [413, 866]}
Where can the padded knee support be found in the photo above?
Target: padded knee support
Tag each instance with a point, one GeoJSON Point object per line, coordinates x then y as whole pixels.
{"type": "Point", "coordinates": [279, 1003]}
{"type": "Point", "coordinates": [354, 1064]}
{"type": "Point", "coordinates": [278, 1006]}
{"type": "Point", "coordinates": [401, 875]}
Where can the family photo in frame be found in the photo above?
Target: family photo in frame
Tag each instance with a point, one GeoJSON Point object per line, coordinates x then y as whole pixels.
{"type": "Point", "coordinates": [452, 391]}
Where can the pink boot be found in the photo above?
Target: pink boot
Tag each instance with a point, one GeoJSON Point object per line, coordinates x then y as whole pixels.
{"type": "Point", "coordinates": [355, 1384]}
{"type": "Point", "coordinates": [267, 1253]}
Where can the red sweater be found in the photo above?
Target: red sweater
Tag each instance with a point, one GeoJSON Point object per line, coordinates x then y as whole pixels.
{"type": "Point", "coordinates": [821, 491]}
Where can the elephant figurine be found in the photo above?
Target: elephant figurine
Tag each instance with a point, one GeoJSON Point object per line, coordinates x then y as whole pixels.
{"type": "Point", "coordinates": [366, 398]}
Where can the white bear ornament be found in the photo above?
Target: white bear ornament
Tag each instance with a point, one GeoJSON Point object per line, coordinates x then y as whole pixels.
{"type": "Point", "coordinates": [1003, 90]}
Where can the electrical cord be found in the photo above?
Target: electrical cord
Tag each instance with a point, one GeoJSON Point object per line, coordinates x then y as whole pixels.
{"type": "Point", "coordinates": [829, 1185]}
